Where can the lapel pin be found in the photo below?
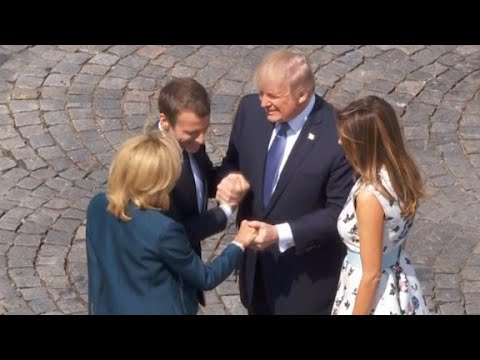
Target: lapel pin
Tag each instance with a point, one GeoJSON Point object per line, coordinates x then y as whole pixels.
{"type": "Point", "coordinates": [311, 136]}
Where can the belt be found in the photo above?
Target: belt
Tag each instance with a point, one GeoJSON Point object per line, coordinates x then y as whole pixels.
{"type": "Point", "coordinates": [389, 259]}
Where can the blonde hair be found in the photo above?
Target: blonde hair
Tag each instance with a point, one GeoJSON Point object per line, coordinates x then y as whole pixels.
{"type": "Point", "coordinates": [371, 137]}
{"type": "Point", "coordinates": [144, 172]}
{"type": "Point", "coordinates": [284, 66]}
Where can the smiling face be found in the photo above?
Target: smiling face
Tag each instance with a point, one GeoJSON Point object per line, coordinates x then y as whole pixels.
{"type": "Point", "coordinates": [285, 83]}
{"type": "Point", "coordinates": [189, 129]}
{"type": "Point", "coordinates": [279, 103]}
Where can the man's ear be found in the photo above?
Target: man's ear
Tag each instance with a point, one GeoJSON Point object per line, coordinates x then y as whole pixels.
{"type": "Point", "coordinates": [164, 124]}
{"type": "Point", "coordinates": [302, 96]}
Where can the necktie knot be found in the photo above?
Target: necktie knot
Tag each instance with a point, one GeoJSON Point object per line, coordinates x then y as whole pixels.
{"type": "Point", "coordinates": [282, 131]}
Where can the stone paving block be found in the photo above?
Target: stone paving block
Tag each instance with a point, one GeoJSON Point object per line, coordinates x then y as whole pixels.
{"type": "Point", "coordinates": [49, 270]}
{"type": "Point", "coordinates": [155, 72]}
{"type": "Point", "coordinates": [56, 237]}
{"type": "Point", "coordinates": [227, 288]}
{"type": "Point", "coordinates": [34, 293]}
{"type": "Point", "coordinates": [43, 306]}
{"type": "Point", "coordinates": [142, 83]}
{"type": "Point", "coordinates": [214, 309]}
{"type": "Point", "coordinates": [234, 305]}
{"type": "Point", "coordinates": [66, 225]}
{"type": "Point", "coordinates": [27, 239]}
{"type": "Point", "coordinates": [7, 132]}
{"type": "Point", "coordinates": [26, 281]}
{"type": "Point", "coordinates": [123, 50]}
{"type": "Point", "coordinates": [71, 306]}
{"type": "Point", "coordinates": [447, 281]}
{"type": "Point", "coordinates": [134, 61]}
{"type": "Point", "coordinates": [6, 237]}
{"type": "Point", "coordinates": [29, 82]}
{"type": "Point", "coordinates": [14, 303]}
{"type": "Point", "coordinates": [452, 309]}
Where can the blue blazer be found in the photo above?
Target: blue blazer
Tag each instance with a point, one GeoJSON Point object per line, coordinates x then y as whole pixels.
{"type": "Point", "coordinates": [310, 193]}
{"type": "Point", "coordinates": [146, 265]}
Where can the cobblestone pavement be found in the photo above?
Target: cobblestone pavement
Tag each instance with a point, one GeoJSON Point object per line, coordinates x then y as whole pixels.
{"type": "Point", "coordinates": [65, 109]}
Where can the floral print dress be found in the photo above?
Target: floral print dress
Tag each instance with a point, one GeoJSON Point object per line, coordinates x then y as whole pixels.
{"type": "Point", "coordinates": [399, 291]}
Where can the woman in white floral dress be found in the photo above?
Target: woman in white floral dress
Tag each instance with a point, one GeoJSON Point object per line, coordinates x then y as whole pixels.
{"type": "Point", "coordinates": [377, 276]}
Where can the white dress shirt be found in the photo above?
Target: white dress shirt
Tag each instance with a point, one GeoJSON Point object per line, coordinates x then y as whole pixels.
{"type": "Point", "coordinates": [285, 236]}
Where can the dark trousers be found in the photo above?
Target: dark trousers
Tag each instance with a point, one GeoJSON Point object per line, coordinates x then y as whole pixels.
{"type": "Point", "coordinates": [259, 305]}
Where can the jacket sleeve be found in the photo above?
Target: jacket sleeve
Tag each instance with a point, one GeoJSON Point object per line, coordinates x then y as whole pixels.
{"type": "Point", "coordinates": [230, 161]}
{"type": "Point", "coordinates": [94, 278]}
{"type": "Point", "coordinates": [201, 226]}
{"type": "Point", "coordinates": [176, 253]}
{"type": "Point", "coordinates": [320, 226]}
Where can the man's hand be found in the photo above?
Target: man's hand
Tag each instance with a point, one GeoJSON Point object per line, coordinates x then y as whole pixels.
{"type": "Point", "coordinates": [232, 189]}
{"type": "Point", "coordinates": [246, 234]}
{"type": "Point", "coordinates": [267, 235]}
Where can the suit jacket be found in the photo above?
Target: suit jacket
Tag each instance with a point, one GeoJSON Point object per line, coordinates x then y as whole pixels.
{"type": "Point", "coordinates": [310, 193]}
{"type": "Point", "coordinates": [184, 206]}
{"type": "Point", "coordinates": [146, 265]}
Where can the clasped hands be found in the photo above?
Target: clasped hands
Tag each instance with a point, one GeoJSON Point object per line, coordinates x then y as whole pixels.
{"type": "Point", "coordinates": [254, 234]}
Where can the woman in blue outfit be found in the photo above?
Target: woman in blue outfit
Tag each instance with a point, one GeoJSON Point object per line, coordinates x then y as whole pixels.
{"type": "Point", "coordinates": [139, 260]}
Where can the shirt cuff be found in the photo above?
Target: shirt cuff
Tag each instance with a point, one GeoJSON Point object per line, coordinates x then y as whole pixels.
{"type": "Point", "coordinates": [238, 244]}
{"type": "Point", "coordinates": [228, 212]}
{"type": "Point", "coordinates": [285, 237]}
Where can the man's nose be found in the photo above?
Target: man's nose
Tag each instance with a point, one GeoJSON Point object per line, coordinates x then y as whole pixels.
{"type": "Point", "coordinates": [201, 139]}
{"type": "Point", "coordinates": [264, 102]}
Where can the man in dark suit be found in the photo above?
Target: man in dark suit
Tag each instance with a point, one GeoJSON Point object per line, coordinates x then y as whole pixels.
{"type": "Point", "coordinates": [284, 141]}
{"type": "Point", "coordinates": [184, 107]}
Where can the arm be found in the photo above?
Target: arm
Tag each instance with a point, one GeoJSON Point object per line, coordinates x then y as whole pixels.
{"type": "Point", "coordinates": [210, 172]}
{"type": "Point", "coordinates": [230, 161]}
{"type": "Point", "coordinates": [201, 226]}
{"type": "Point", "coordinates": [370, 226]}
{"type": "Point", "coordinates": [313, 229]}
{"type": "Point", "coordinates": [320, 226]}
{"type": "Point", "coordinates": [177, 255]}
{"type": "Point", "coordinates": [94, 280]}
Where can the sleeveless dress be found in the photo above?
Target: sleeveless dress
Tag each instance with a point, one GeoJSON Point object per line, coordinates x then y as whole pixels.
{"type": "Point", "coordinates": [399, 291]}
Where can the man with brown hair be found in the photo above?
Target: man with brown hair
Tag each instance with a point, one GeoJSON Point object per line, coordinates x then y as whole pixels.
{"type": "Point", "coordinates": [184, 106]}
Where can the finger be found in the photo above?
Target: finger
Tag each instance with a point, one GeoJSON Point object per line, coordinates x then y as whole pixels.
{"type": "Point", "coordinates": [255, 224]}
{"type": "Point", "coordinates": [243, 182]}
{"type": "Point", "coordinates": [220, 196]}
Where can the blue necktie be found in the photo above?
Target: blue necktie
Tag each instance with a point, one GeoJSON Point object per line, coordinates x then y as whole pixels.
{"type": "Point", "coordinates": [274, 159]}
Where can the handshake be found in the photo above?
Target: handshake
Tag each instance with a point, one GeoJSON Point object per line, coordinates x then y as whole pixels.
{"type": "Point", "coordinates": [254, 234]}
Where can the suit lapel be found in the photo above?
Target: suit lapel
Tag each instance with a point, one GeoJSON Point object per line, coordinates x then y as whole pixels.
{"type": "Point", "coordinates": [304, 144]}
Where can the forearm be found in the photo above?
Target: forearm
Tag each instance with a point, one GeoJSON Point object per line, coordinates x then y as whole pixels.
{"type": "Point", "coordinates": [200, 227]}
{"type": "Point", "coordinates": [315, 229]}
{"type": "Point", "coordinates": [319, 227]}
{"type": "Point", "coordinates": [365, 296]}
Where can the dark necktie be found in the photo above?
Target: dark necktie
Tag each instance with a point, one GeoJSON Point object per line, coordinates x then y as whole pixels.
{"type": "Point", "coordinates": [187, 162]}
{"type": "Point", "coordinates": [274, 159]}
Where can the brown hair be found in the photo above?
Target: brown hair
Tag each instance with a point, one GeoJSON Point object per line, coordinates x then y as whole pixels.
{"type": "Point", "coordinates": [144, 171]}
{"type": "Point", "coordinates": [371, 137]}
{"type": "Point", "coordinates": [182, 94]}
